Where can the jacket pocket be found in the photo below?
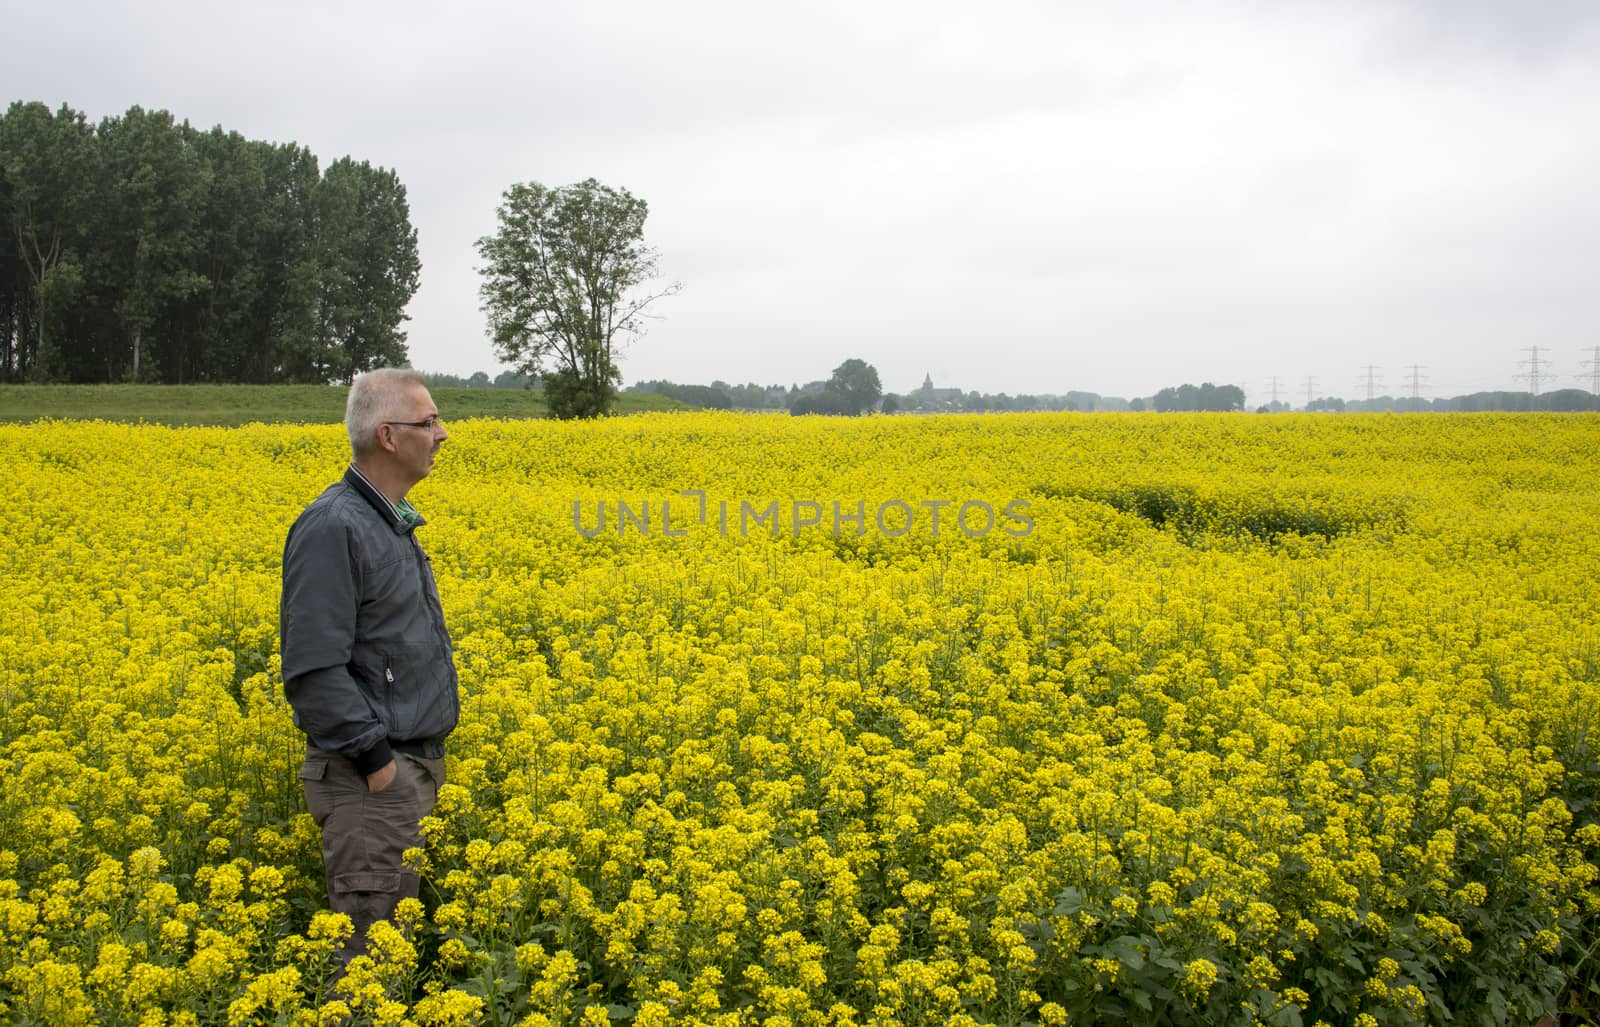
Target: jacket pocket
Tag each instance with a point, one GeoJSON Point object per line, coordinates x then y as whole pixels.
{"type": "Point", "coordinates": [422, 691]}
{"type": "Point", "coordinates": [393, 705]}
{"type": "Point", "coordinates": [369, 668]}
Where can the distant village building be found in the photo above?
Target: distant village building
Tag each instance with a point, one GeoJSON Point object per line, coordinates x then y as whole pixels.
{"type": "Point", "coordinates": [928, 396]}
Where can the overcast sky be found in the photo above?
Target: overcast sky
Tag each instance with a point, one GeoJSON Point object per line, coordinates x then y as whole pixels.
{"type": "Point", "coordinates": [1010, 197]}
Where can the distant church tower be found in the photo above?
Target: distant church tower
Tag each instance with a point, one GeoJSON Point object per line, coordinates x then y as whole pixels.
{"type": "Point", "coordinates": [927, 383]}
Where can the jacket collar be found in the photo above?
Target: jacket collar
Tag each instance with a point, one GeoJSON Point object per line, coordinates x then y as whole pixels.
{"type": "Point", "coordinates": [368, 491]}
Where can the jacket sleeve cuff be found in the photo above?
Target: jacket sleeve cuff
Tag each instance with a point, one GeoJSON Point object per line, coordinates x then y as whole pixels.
{"type": "Point", "coordinates": [375, 758]}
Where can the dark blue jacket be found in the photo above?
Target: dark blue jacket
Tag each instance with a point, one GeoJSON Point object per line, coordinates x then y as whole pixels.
{"type": "Point", "coordinates": [367, 661]}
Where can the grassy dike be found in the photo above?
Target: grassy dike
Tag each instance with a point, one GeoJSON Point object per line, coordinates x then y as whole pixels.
{"type": "Point", "coordinates": [272, 404]}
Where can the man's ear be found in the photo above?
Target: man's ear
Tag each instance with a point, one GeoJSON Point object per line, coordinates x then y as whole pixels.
{"type": "Point", "coordinates": [386, 437]}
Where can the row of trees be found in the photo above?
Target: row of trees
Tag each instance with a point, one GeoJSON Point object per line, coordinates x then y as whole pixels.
{"type": "Point", "coordinates": [1204, 397]}
{"type": "Point", "coordinates": [852, 389]}
{"type": "Point", "coordinates": [720, 395]}
{"type": "Point", "coordinates": [955, 401]}
{"type": "Point", "coordinates": [826, 397]}
{"type": "Point", "coordinates": [144, 249]}
{"type": "Point", "coordinates": [479, 380]}
{"type": "Point", "coordinates": [1559, 400]}
{"type": "Point", "coordinates": [704, 397]}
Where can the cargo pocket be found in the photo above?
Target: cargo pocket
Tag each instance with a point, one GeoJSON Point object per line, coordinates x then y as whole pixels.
{"type": "Point", "coordinates": [313, 779]}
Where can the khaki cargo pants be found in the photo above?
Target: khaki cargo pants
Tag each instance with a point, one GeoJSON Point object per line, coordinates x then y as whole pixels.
{"type": "Point", "coordinates": [365, 833]}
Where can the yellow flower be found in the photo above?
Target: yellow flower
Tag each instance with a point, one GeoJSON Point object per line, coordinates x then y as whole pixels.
{"type": "Point", "coordinates": [1199, 976]}
{"type": "Point", "coordinates": [450, 1008]}
{"type": "Point", "coordinates": [1246, 685]}
{"type": "Point", "coordinates": [275, 994]}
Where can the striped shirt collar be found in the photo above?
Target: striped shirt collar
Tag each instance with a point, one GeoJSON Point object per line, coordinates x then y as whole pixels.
{"type": "Point", "coordinates": [402, 516]}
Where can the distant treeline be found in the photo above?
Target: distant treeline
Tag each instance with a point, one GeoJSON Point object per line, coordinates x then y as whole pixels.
{"type": "Point", "coordinates": [953, 400]}
{"type": "Point", "coordinates": [480, 380]}
{"type": "Point", "coordinates": [1558, 401]}
{"type": "Point", "coordinates": [1203, 397]}
{"type": "Point", "coordinates": [719, 395]}
{"type": "Point", "coordinates": [141, 249]}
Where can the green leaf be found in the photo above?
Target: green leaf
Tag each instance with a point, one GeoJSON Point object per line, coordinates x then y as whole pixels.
{"type": "Point", "coordinates": [1128, 951]}
{"type": "Point", "coordinates": [1068, 901]}
{"type": "Point", "coordinates": [1288, 1016]}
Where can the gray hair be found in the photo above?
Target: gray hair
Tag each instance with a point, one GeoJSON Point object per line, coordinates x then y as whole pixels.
{"type": "Point", "coordinates": [374, 398]}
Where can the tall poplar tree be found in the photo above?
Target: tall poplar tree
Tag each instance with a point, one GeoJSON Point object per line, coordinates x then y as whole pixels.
{"type": "Point", "coordinates": [156, 186]}
{"type": "Point", "coordinates": [368, 268]}
{"type": "Point", "coordinates": [48, 162]}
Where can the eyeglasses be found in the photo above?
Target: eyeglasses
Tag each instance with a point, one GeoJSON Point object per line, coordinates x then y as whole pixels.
{"type": "Point", "coordinates": [431, 423]}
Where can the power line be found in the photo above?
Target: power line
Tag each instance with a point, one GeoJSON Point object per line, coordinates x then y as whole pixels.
{"type": "Point", "coordinates": [1311, 385]}
{"type": "Point", "coordinates": [1532, 374]}
{"type": "Point", "coordinates": [1593, 363]}
{"type": "Point", "coordinates": [1371, 381]}
{"type": "Point", "coordinates": [1416, 385]}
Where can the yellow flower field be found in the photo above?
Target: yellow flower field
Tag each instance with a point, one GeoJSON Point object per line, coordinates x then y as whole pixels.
{"type": "Point", "coordinates": [1025, 719]}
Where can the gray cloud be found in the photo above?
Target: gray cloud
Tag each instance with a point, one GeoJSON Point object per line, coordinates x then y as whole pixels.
{"type": "Point", "coordinates": [1015, 196]}
{"type": "Point", "coordinates": [1528, 35]}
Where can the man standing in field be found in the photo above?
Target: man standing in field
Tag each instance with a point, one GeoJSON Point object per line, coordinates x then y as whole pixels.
{"type": "Point", "coordinates": [367, 661]}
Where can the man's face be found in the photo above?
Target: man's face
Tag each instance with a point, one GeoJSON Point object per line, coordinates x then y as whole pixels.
{"type": "Point", "coordinates": [414, 447]}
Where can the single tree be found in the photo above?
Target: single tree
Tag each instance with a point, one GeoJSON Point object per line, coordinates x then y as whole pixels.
{"type": "Point", "coordinates": [855, 383]}
{"type": "Point", "coordinates": [562, 282]}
